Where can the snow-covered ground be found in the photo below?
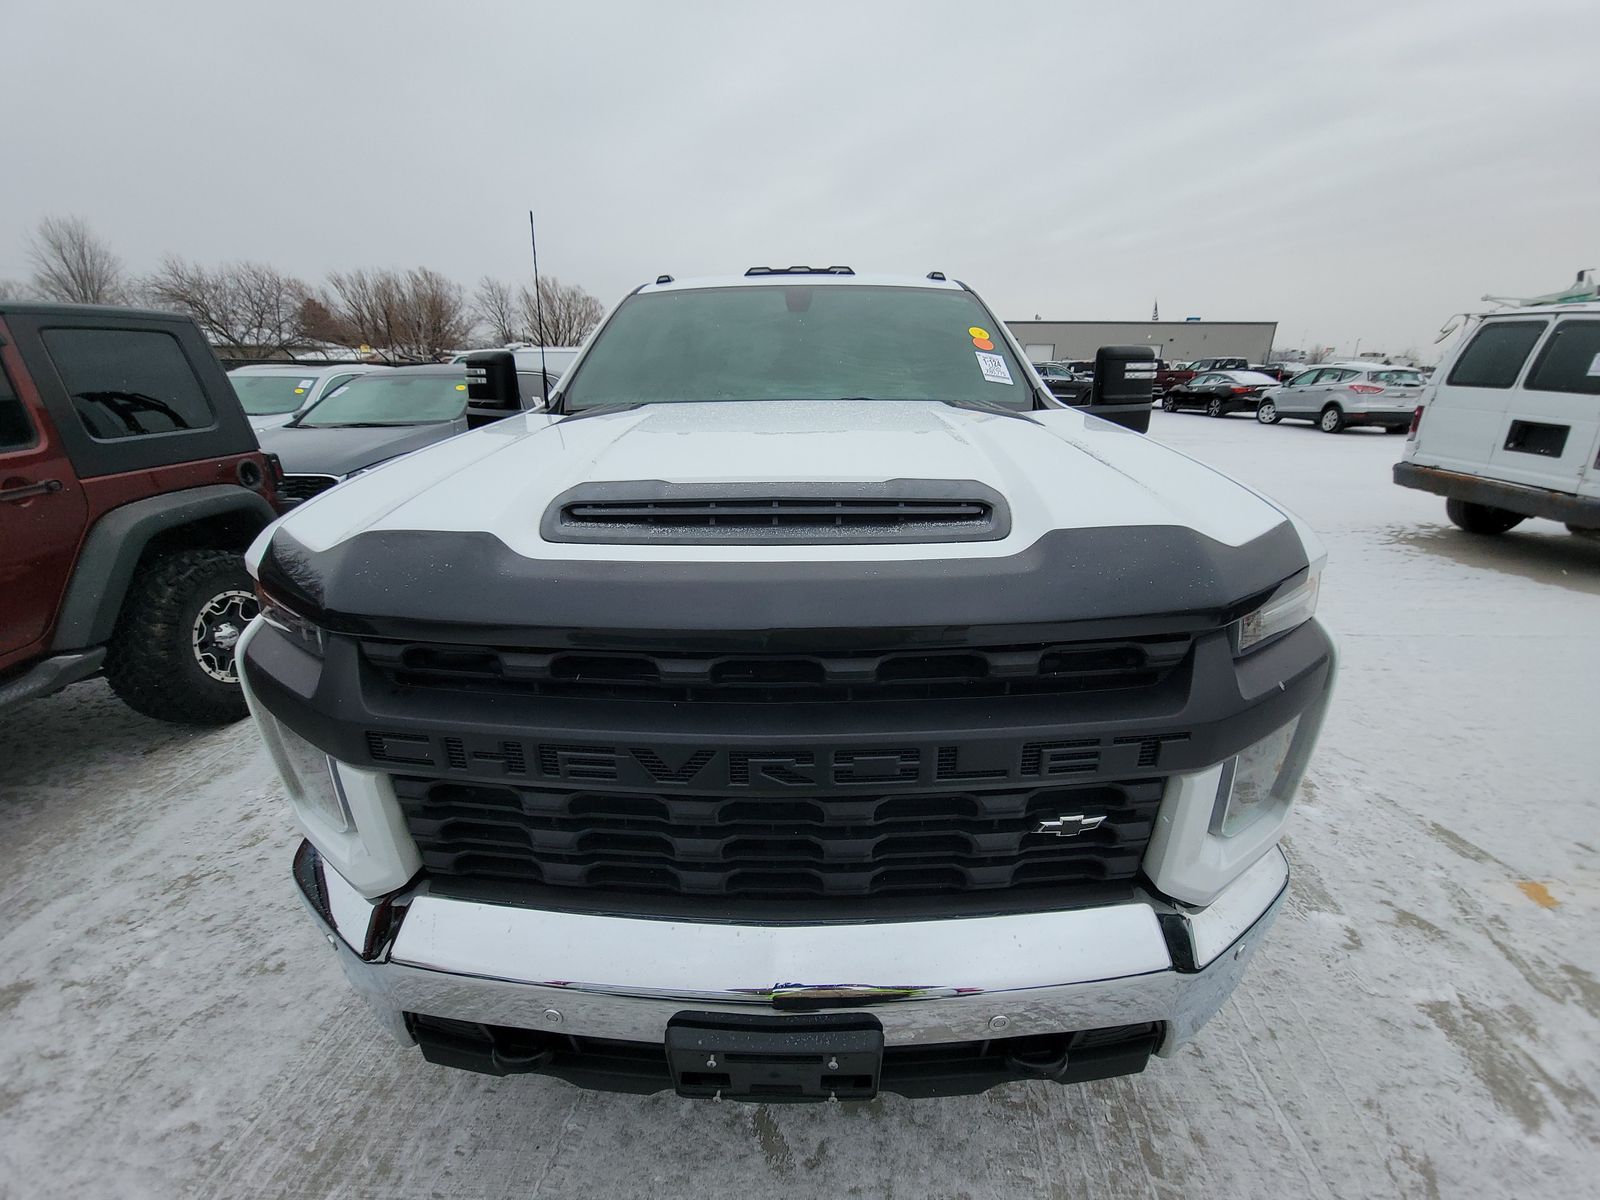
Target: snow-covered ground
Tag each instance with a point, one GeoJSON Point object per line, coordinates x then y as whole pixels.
{"type": "Point", "coordinates": [1424, 1019]}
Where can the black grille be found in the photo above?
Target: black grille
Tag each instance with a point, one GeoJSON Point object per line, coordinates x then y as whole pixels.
{"type": "Point", "coordinates": [298, 488]}
{"type": "Point", "coordinates": [820, 845]}
{"type": "Point", "coordinates": [963, 672]}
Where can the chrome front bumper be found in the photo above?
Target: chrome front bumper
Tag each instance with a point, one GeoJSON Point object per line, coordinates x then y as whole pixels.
{"type": "Point", "coordinates": [927, 981]}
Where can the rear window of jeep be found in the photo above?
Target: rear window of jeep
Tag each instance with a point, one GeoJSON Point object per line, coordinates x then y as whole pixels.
{"type": "Point", "coordinates": [128, 382]}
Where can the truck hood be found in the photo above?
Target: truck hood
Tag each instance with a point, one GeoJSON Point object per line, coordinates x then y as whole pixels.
{"type": "Point", "coordinates": [1056, 469]}
{"type": "Point", "coordinates": [335, 450]}
{"type": "Point", "coordinates": [1104, 523]}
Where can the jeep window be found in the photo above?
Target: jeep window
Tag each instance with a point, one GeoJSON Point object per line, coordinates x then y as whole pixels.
{"type": "Point", "coordinates": [1570, 360]}
{"type": "Point", "coordinates": [1495, 356]}
{"type": "Point", "coordinates": [799, 342]}
{"type": "Point", "coordinates": [269, 395]}
{"type": "Point", "coordinates": [128, 382]}
{"type": "Point", "coordinates": [390, 398]}
{"type": "Point", "coordinates": [16, 431]}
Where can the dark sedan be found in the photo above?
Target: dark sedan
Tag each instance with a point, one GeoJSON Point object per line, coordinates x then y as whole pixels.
{"type": "Point", "coordinates": [1218, 393]}
{"type": "Point", "coordinates": [374, 418]}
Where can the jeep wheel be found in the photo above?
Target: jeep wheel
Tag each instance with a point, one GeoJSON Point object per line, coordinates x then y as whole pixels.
{"type": "Point", "coordinates": [1168, 404]}
{"type": "Point", "coordinates": [172, 654]}
{"type": "Point", "coordinates": [1481, 518]}
{"type": "Point", "coordinates": [1214, 407]}
{"type": "Point", "coordinates": [1267, 413]}
{"type": "Point", "coordinates": [1332, 420]}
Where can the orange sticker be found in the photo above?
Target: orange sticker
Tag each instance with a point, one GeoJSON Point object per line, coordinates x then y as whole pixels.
{"type": "Point", "coordinates": [983, 343]}
{"type": "Point", "coordinates": [976, 332]}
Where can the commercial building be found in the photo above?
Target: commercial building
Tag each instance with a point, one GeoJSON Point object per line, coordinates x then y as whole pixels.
{"type": "Point", "coordinates": [1173, 341]}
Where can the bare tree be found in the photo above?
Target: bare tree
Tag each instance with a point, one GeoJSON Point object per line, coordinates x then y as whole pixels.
{"type": "Point", "coordinates": [71, 264]}
{"type": "Point", "coordinates": [416, 315]}
{"type": "Point", "coordinates": [15, 289]}
{"type": "Point", "coordinates": [251, 309]}
{"type": "Point", "coordinates": [495, 306]}
{"type": "Point", "coordinates": [562, 314]}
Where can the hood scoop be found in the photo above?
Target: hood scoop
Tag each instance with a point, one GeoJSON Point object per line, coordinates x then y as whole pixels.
{"type": "Point", "coordinates": [652, 512]}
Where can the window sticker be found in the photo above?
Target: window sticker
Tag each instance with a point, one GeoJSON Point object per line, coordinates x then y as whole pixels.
{"type": "Point", "coordinates": [303, 384]}
{"type": "Point", "coordinates": [980, 338]}
{"type": "Point", "coordinates": [993, 367]}
{"type": "Point", "coordinates": [461, 387]}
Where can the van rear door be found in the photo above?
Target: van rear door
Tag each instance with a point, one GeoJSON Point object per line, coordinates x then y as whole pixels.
{"type": "Point", "coordinates": [1552, 420]}
{"type": "Point", "coordinates": [1466, 413]}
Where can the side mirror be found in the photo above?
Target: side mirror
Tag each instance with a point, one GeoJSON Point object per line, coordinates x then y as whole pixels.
{"type": "Point", "coordinates": [1124, 375]}
{"type": "Point", "coordinates": [492, 391]}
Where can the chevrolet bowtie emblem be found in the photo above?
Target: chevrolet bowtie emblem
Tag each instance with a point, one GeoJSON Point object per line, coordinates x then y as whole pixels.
{"type": "Point", "coordinates": [1069, 826]}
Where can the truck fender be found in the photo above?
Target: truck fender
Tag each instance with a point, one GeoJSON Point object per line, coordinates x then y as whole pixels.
{"type": "Point", "coordinates": [110, 554]}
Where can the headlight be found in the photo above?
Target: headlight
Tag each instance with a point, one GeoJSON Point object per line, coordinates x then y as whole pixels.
{"type": "Point", "coordinates": [310, 776]}
{"type": "Point", "coordinates": [1289, 608]}
{"type": "Point", "coordinates": [1254, 781]}
{"type": "Point", "coordinates": [304, 633]}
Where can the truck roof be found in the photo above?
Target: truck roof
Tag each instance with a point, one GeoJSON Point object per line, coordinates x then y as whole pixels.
{"type": "Point", "coordinates": [666, 283]}
{"type": "Point", "coordinates": [1587, 307]}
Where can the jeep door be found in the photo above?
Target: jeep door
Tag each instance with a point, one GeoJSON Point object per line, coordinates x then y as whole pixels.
{"type": "Point", "coordinates": [1552, 422]}
{"type": "Point", "coordinates": [42, 514]}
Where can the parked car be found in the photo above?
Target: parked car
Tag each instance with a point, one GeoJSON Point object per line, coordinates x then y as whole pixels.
{"type": "Point", "coordinates": [1338, 395]}
{"type": "Point", "coordinates": [1509, 427]}
{"type": "Point", "coordinates": [273, 394]}
{"type": "Point", "coordinates": [808, 706]}
{"type": "Point", "coordinates": [1218, 393]}
{"type": "Point", "coordinates": [1282, 372]}
{"type": "Point", "coordinates": [130, 485]}
{"type": "Point", "coordinates": [372, 419]}
{"type": "Point", "coordinates": [1201, 365]}
{"type": "Point", "coordinates": [1065, 384]}
{"type": "Point", "coordinates": [1170, 375]}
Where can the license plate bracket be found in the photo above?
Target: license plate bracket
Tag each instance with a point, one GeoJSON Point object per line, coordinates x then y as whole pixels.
{"type": "Point", "coordinates": [775, 1059]}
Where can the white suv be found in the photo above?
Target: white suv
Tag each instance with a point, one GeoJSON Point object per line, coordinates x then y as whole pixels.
{"type": "Point", "coordinates": [1510, 426]}
{"type": "Point", "coordinates": [1338, 395]}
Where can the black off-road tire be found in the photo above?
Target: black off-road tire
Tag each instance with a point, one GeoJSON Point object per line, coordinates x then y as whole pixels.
{"type": "Point", "coordinates": [1481, 518]}
{"type": "Point", "coordinates": [153, 661]}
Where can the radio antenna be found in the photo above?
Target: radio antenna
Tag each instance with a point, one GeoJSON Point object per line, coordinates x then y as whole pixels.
{"type": "Point", "coordinates": [538, 312]}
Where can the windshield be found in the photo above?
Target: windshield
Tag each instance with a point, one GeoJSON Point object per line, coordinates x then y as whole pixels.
{"type": "Point", "coordinates": [391, 398]}
{"type": "Point", "coordinates": [799, 342]}
{"type": "Point", "coordinates": [266, 395]}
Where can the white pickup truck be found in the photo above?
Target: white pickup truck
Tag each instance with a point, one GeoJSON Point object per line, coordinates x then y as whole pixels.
{"type": "Point", "coordinates": [806, 704]}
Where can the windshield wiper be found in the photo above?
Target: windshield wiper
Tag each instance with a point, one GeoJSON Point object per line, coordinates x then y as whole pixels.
{"type": "Point", "coordinates": [985, 406]}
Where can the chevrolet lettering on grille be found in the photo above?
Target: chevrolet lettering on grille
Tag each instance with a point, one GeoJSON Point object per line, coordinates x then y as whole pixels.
{"type": "Point", "coordinates": [774, 770]}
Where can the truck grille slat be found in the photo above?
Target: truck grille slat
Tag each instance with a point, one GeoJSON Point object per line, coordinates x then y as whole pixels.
{"type": "Point", "coordinates": [296, 489]}
{"type": "Point", "coordinates": [738, 846]}
{"type": "Point", "coordinates": [961, 672]}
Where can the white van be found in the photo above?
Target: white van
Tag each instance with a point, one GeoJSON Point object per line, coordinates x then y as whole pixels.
{"type": "Point", "coordinates": [1509, 427]}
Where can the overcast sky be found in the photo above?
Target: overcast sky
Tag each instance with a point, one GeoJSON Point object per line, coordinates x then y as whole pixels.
{"type": "Point", "coordinates": [1350, 170]}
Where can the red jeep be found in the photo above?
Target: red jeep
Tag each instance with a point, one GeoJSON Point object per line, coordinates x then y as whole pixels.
{"type": "Point", "coordinates": [130, 482]}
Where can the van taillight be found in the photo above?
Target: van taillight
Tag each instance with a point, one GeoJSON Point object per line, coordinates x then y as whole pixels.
{"type": "Point", "coordinates": [1416, 422]}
